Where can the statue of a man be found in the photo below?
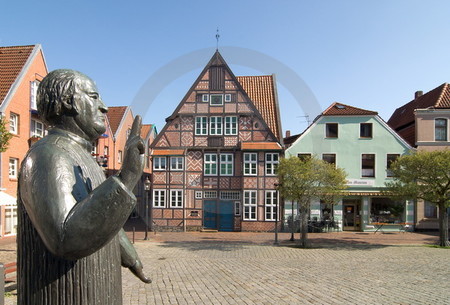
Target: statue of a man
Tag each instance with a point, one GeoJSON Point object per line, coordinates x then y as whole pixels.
{"type": "Point", "coordinates": [70, 238]}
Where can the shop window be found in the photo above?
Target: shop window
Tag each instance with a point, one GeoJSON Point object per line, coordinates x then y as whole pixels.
{"type": "Point", "coordinates": [365, 130]}
{"type": "Point", "coordinates": [326, 210]}
{"type": "Point", "coordinates": [368, 165]}
{"type": "Point", "coordinates": [331, 130]}
{"type": "Point", "coordinates": [390, 158]}
{"type": "Point", "coordinates": [387, 211]}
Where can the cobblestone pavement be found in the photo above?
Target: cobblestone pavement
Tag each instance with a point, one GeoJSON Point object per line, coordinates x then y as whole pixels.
{"type": "Point", "coordinates": [246, 268]}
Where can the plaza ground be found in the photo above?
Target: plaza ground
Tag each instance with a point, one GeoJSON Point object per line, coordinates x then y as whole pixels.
{"type": "Point", "coordinates": [247, 268]}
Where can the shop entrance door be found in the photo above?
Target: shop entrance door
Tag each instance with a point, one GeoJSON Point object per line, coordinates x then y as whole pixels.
{"type": "Point", "coordinates": [351, 217]}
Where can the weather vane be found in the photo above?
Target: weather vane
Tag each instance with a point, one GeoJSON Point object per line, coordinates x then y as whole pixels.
{"type": "Point", "coordinates": [217, 38]}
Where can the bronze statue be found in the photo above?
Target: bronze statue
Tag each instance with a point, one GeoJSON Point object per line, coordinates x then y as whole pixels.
{"type": "Point", "coordinates": [70, 238]}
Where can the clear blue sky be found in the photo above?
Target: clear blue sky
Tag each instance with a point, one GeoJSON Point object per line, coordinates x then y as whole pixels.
{"type": "Point", "coordinates": [368, 54]}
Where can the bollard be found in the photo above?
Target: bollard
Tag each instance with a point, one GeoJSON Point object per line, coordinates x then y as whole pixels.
{"type": "Point", "coordinates": [2, 284]}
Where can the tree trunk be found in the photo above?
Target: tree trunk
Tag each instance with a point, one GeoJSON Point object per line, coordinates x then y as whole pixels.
{"type": "Point", "coordinates": [303, 242]}
{"type": "Point", "coordinates": [443, 226]}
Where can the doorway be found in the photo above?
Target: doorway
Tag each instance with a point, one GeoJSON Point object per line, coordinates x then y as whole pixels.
{"type": "Point", "coordinates": [218, 215]}
{"type": "Point", "coordinates": [351, 217]}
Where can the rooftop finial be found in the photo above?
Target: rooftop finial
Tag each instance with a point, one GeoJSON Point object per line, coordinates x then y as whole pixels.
{"type": "Point", "coordinates": [217, 38]}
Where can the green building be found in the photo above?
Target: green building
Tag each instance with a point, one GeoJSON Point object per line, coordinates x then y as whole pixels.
{"type": "Point", "coordinates": [361, 143]}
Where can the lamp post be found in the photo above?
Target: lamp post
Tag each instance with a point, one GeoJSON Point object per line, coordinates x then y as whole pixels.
{"type": "Point", "coordinates": [147, 185]}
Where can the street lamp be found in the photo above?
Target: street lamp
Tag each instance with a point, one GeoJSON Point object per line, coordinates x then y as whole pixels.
{"type": "Point", "coordinates": [147, 185]}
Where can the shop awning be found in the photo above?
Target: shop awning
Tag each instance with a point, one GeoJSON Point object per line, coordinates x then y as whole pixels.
{"type": "Point", "coordinates": [260, 146]}
{"type": "Point", "coordinates": [167, 152]}
{"type": "Point", "coordinates": [6, 199]}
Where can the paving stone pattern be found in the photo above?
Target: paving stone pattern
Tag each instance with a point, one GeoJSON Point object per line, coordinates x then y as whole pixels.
{"type": "Point", "coordinates": [240, 273]}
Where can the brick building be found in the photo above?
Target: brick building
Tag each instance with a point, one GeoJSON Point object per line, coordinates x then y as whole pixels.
{"type": "Point", "coordinates": [214, 162]}
{"type": "Point", "coordinates": [21, 70]}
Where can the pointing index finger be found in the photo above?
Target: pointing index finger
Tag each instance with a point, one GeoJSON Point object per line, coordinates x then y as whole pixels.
{"type": "Point", "coordinates": [137, 125]}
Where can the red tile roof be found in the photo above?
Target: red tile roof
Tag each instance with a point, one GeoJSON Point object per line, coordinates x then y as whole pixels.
{"type": "Point", "coordinates": [146, 128]}
{"type": "Point", "coordinates": [261, 90]}
{"type": "Point", "coordinates": [12, 61]}
{"type": "Point", "coordinates": [115, 115]}
{"type": "Point", "coordinates": [342, 109]}
{"type": "Point", "coordinates": [437, 98]}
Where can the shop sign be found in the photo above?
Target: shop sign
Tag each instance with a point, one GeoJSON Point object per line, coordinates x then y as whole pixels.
{"type": "Point", "coordinates": [359, 182]}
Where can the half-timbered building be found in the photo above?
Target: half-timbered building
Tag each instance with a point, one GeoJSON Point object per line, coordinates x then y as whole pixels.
{"type": "Point", "coordinates": [215, 161]}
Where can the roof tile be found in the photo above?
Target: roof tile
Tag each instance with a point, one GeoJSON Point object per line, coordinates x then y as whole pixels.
{"type": "Point", "coordinates": [342, 109]}
{"type": "Point", "coordinates": [115, 115]}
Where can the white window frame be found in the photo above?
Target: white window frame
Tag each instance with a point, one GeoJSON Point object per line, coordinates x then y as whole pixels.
{"type": "Point", "coordinates": [14, 123]}
{"type": "Point", "coordinates": [36, 131]}
{"type": "Point", "coordinates": [198, 194]}
{"type": "Point", "coordinates": [271, 205]}
{"type": "Point", "coordinates": [326, 130]}
{"type": "Point", "coordinates": [211, 97]}
{"type": "Point", "coordinates": [201, 125]}
{"type": "Point", "coordinates": [237, 208]}
{"type": "Point", "coordinates": [371, 130]}
{"type": "Point", "coordinates": [216, 125]}
{"type": "Point", "coordinates": [209, 161]}
{"type": "Point", "coordinates": [177, 201]}
{"type": "Point", "coordinates": [374, 165]}
{"type": "Point", "coordinates": [227, 97]}
{"type": "Point", "coordinates": [159, 198]}
{"type": "Point", "coordinates": [210, 194]}
{"type": "Point", "coordinates": [230, 195]}
{"type": "Point", "coordinates": [176, 163]}
{"type": "Point", "coordinates": [33, 94]}
{"type": "Point", "coordinates": [158, 165]}
{"type": "Point", "coordinates": [250, 206]}
{"type": "Point", "coordinates": [446, 129]}
{"type": "Point", "coordinates": [230, 125]}
{"type": "Point", "coordinates": [205, 97]}
{"type": "Point", "coordinates": [389, 173]}
{"type": "Point", "coordinates": [250, 165]}
{"type": "Point", "coordinates": [272, 165]}
{"type": "Point", "coordinates": [226, 160]}
{"type": "Point", "coordinates": [119, 156]}
{"type": "Point", "coordinates": [13, 168]}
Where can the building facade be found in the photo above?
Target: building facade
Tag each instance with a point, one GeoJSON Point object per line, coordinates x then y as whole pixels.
{"type": "Point", "coordinates": [424, 123]}
{"type": "Point", "coordinates": [21, 70]}
{"type": "Point", "coordinates": [362, 144]}
{"type": "Point", "coordinates": [215, 160]}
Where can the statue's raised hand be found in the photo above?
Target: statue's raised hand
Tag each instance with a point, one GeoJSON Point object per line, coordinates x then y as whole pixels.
{"type": "Point", "coordinates": [133, 160]}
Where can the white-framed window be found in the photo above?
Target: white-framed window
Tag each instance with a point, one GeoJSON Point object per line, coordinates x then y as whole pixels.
{"type": "Point", "coordinates": [106, 151]}
{"type": "Point", "coordinates": [231, 125]}
{"type": "Point", "coordinates": [14, 123]}
{"type": "Point", "coordinates": [37, 129]}
{"type": "Point", "coordinates": [230, 195]}
{"type": "Point", "coordinates": [159, 198]}
{"type": "Point", "coordinates": [329, 158]}
{"type": "Point", "coordinates": [13, 168]}
{"type": "Point", "coordinates": [365, 130]}
{"type": "Point", "coordinates": [176, 163]}
{"type": "Point", "coordinates": [205, 97]}
{"type": "Point", "coordinates": [227, 97]}
{"type": "Point", "coordinates": [226, 164]}
{"type": "Point", "coordinates": [331, 130]}
{"type": "Point", "coordinates": [272, 160]}
{"type": "Point", "coordinates": [198, 194]}
{"type": "Point", "coordinates": [210, 165]}
{"type": "Point", "coordinates": [33, 94]}
{"type": "Point", "coordinates": [237, 208]}
{"type": "Point", "coordinates": [368, 165]}
{"type": "Point", "coordinates": [159, 163]}
{"type": "Point", "coordinates": [250, 164]}
{"type": "Point", "coordinates": [176, 198]}
{"type": "Point", "coordinates": [215, 125]}
{"type": "Point", "coordinates": [390, 158]}
{"type": "Point", "coordinates": [119, 156]}
{"type": "Point", "coordinates": [271, 205]}
{"type": "Point", "coordinates": [250, 205]}
{"type": "Point", "coordinates": [201, 125]}
{"type": "Point", "coordinates": [440, 129]}
{"type": "Point", "coordinates": [216, 99]}
{"type": "Point", "coordinates": [210, 194]}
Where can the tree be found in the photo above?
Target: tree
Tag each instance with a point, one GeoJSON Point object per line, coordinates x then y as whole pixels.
{"type": "Point", "coordinates": [5, 135]}
{"type": "Point", "coordinates": [426, 176]}
{"type": "Point", "coordinates": [308, 179]}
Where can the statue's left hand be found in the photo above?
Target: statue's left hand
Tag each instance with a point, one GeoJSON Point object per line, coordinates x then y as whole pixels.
{"type": "Point", "coordinates": [139, 273]}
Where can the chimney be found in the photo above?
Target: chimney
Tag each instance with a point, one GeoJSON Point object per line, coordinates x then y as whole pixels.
{"type": "Point", "coordinates": [288, 133]}
{"type": "Point", "coordinates": [418, 94]}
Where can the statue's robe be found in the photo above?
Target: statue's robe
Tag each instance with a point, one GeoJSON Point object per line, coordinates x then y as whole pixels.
{"type": "Point", "coordinates": [69, 251]}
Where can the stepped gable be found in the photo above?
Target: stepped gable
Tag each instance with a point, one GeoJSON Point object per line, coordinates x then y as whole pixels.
{"type": "Point", "coordinates": [12, 61]}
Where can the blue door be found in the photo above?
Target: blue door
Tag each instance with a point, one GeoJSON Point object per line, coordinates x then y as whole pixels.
{"type": "Point", "coordinates": [226, 215]}
{"type": "Point", "coordinates": [209, 214]}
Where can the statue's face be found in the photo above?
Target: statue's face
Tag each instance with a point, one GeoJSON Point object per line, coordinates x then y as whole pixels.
{"type": "Point", "coordinates": [91, 109]}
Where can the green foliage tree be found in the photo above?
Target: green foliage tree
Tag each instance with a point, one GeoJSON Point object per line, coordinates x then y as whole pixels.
{"type": "Point", "coordinates": [426, 176]}
{"type": "Point", "coordinates": [5, 135]}
{"type": "Point", "coordinates": [301, 180]}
